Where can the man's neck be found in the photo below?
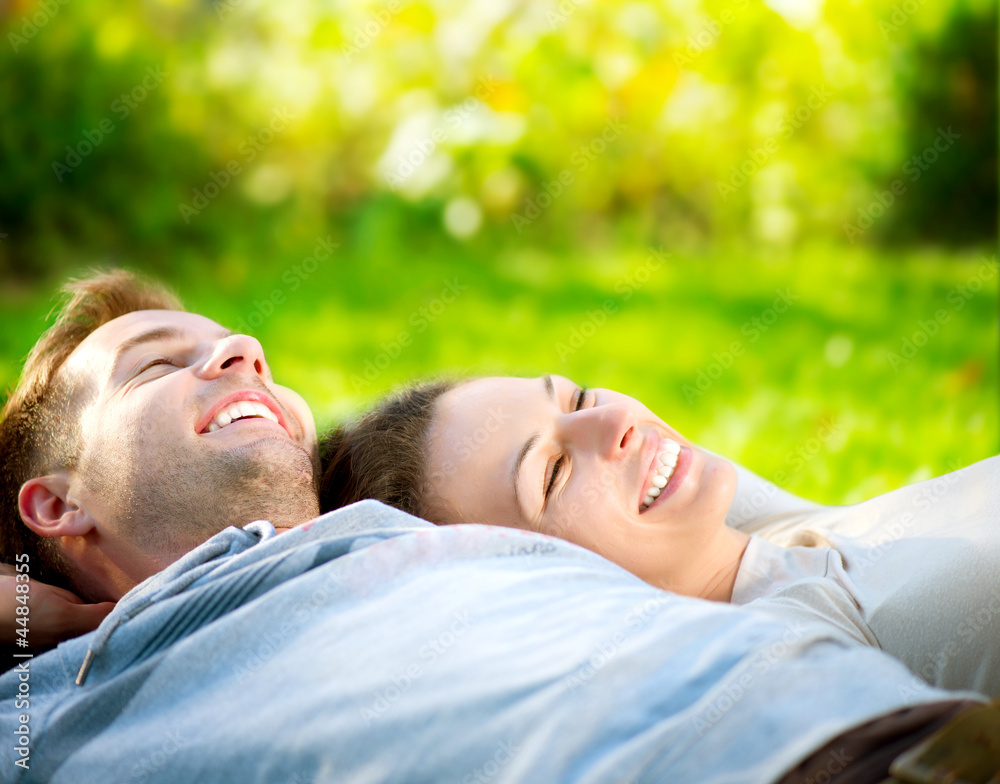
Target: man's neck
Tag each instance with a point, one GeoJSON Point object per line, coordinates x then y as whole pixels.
{"type": "Point", "coordinates": [105, 573]}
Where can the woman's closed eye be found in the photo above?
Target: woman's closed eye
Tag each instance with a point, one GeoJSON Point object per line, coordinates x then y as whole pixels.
{"type": "Point", "coordinates": [580, 397]}
{"type": "Point", "coordinates": [555, 472]}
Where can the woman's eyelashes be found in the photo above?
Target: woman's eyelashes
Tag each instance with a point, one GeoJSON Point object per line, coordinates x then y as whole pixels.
{"type": "Point", "coordinates": [580, 398]}
{"type": "Point", "coordinates": [555, 472]}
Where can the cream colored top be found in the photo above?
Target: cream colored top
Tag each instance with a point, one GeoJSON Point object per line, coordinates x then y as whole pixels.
{"type": "Point", "coordinates": [915, 571]}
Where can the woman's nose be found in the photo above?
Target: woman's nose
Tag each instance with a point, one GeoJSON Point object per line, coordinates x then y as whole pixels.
{"type": "Point", "coordinates": [606, 430]}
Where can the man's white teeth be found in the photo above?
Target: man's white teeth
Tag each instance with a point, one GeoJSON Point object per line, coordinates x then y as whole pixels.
{"type": "Point", "coordinates": [241, 410]}
{"type": "Point", "coordinates": [666, 461]}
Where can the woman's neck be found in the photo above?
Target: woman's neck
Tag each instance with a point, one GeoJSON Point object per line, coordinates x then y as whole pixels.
{"type": "Point", "coordinates": [714, 576]}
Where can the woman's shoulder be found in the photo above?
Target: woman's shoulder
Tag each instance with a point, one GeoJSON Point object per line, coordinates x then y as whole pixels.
{"type": "Point", "coordinates": [767, 567]}
{"type": "Point", "coordinates": [802, 585]}
{"type": "Point", "coordinates": [963, 502]}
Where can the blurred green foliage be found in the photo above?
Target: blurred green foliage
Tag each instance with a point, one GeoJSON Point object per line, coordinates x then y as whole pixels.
{"type": "Point", "coordinates": [538, 154]}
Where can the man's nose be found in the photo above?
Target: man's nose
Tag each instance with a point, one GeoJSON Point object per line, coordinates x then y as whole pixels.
{"type": "Point", "coordinates": [236, 354]}
{"type": "Point", "coordinates": [607, 430]}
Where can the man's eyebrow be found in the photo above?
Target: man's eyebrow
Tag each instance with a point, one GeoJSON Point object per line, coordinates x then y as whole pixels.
{"type": "Point", "coordinates": [151, 336]}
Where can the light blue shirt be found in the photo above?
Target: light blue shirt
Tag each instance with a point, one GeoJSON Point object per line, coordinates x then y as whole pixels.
{"type": "Point", "coordinates": [370, 646]}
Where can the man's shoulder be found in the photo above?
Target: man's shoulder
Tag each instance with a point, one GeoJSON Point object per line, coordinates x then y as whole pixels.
{"type": "Point", "coordinates": [363, 517]}
{"type": "Point", "coordinates": [368, 523]}
{"type": "Point", "coordinates": [369, 532]}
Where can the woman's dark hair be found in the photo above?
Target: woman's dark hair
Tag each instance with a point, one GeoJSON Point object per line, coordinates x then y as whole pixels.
{"type": "Point", "coordinates": [383, 455]}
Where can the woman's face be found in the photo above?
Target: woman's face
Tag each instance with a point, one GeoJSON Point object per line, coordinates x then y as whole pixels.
{"type": "Point", "coordinates": [544, 455]}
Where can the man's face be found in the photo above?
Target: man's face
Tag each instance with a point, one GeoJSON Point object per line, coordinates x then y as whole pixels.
{"type": "Point", "coordinates": [185, 433]}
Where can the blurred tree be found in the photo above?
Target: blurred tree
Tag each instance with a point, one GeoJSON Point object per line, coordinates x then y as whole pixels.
{"type": "Point", "coordinates": [949, 80]}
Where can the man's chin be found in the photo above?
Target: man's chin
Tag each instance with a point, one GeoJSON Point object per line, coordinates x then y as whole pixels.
{"type": "Point", "coordinates": [272, 460]}
{"type": "Point", "coordinates": [270, 446]}
{"type": "Point", "coordinates": [271, 481]}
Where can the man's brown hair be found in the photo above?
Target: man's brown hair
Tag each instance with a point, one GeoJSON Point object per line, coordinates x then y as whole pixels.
{"type": "Point", "coordinates": [39, 425]}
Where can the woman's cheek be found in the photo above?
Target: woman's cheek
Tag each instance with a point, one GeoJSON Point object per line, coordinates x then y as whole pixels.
{"type": "Point", "coordinates": [560, 524]}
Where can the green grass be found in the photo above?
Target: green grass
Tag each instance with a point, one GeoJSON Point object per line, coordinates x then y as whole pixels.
{"type": "Point", "coordinates": [816, 398]}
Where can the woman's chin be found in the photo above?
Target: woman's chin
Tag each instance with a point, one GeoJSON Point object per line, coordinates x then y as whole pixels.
{"type": "Point", "coordinates": [720, 483]}
{"type": "Point", "coordinates": [706, 491]}
{"type": "Point", "coordinates": [728, 478]}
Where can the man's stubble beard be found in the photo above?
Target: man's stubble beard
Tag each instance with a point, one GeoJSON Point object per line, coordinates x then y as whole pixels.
{"type": "Point", "coordinates": [175, 500]}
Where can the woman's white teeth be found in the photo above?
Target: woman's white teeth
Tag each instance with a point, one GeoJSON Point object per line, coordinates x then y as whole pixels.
{"type": "Point", "coordinates": [666, 461]}
{"type": "Point", "coordinates": [241, 410]}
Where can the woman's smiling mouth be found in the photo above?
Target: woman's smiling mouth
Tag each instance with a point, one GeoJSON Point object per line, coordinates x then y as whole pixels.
{"type": "Point", "coordinates": [664, 465]}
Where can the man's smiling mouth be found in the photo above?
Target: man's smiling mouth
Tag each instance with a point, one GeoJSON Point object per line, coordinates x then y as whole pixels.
{"type": "Point", "coordinates": [241, 406]}
{"type": "Point", "coordinates": [234, 412]}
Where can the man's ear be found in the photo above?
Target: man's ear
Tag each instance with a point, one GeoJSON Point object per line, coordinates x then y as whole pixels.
{"type": "Point", "coordinates": [46, 510]}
